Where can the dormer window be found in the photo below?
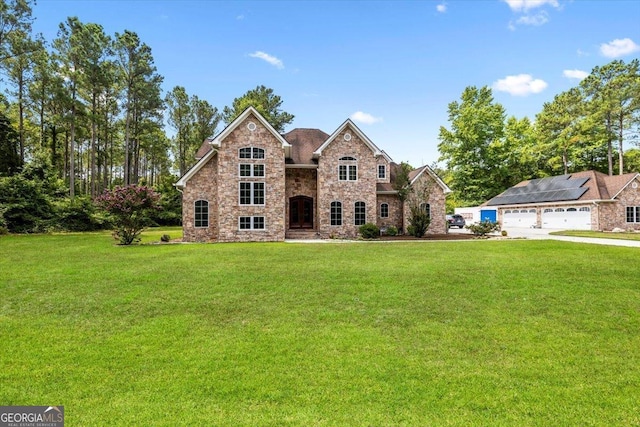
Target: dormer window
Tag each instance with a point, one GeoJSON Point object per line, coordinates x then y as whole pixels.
{"type": "Point", "coordinates": [382, 172]}
{"type": "Point", "coordinates": [347, 169]}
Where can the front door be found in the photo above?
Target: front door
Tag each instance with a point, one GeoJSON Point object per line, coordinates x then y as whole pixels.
{"type": "Point", "coordinates": [301, 212]}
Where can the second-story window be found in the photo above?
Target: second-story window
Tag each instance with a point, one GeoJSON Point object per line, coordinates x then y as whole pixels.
{"type": "Point", "coordinates": [251, 153]}
{"type": "Point", "coordinates": [348, 169]}
{"type": "Point", "coordinates": [252, 193]}
{"type": "Point", "coordinates": [251, 170]}
{"type": "Point", "coordinates": [382, 171]}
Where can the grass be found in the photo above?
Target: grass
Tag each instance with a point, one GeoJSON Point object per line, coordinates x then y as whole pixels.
{"type": "Point", "coordinates": [599, 234]}
{"type": "Point", "coordinates": [474, 333]}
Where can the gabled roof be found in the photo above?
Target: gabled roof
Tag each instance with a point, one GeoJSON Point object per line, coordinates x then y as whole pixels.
{"type": "Point", "coordinates": [415, 174]}
{"type": "Point", "coordinates": [348, 123]}
{"type": "Point", "coordinates": [209, 146]}
{"type": "Point", "coordinates": [245, 114]}
{"type": "Point", "coordinates": [576, 187]}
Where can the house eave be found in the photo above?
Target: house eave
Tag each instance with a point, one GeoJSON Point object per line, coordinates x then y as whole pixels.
{"type": "Point", "coordinates": [542, 204]}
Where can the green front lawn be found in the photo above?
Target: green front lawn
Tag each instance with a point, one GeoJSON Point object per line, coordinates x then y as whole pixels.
{"type": "Point", "coordinates": [467, 333]}
{"type": "Point", "coordinates": [598, 234]}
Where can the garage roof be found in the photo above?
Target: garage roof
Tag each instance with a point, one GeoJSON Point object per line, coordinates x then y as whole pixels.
{"type": "Point", "coordinates": [579, 186]}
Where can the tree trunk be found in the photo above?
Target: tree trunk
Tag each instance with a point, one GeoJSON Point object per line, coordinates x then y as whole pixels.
{"type": "Point", "coordinates": [21, 115]}
{"type": "Point", "coordinates": [620, 147]}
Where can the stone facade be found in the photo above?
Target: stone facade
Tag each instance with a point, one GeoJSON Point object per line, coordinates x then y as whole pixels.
{"type": "Point", "coordinates": [203, 186]}
{"type": "Point", "coordinates": [312, 181]}
{"type": "Point", "coordinates": [347, 192]}
{"type": "Point", "coordinates": [302, 182]}
{"type": "Point", "coordinates": [614, 215]}
{"type": "Point", "coordinates": [395, 211]}
{"type": "Point", "coordinates": [229, 177]}
{"type": "Point", "coordinates": [426, 190]}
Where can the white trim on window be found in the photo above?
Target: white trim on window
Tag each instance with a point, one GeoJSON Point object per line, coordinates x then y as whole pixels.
{"type": "Point", "coordinates": [252, 193]}
{"type": "Point", "coordinates": [251, 170]}
{"type": "Point", "coordinates": [347, 168]}
{"type": "Point", "coordinates": [359, 213]}
{"type": "Point", "coordinates": [201, 213]}
{"type": "Point", "coordinates": [251, 223]}
{"type": "Point", "coordinates": [384, 210]}
{"type": "Point", "coordinates": [382, 171]}
{"type": "Point", "coordinates": [255, 153]}
{"type": "Point", "coordinates": [335, 214]}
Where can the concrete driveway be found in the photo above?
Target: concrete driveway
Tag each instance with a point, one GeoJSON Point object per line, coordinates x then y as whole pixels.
{"type": "Point", "coordinates": [540, 234]}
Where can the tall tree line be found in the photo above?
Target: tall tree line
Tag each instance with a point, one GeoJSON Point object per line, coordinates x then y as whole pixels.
{"type": "Point", "coordinates": [91, 103]}
{"type": "Point", "coordinates": [589, 127]}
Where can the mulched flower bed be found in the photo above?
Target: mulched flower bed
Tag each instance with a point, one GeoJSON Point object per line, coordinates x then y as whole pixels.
{"type": "Point", "coordinates": [427, 237]}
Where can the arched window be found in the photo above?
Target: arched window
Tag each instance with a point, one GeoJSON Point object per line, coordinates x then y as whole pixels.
{"type": "Point", "coordinates": [360, 213]}
{"type": "Point", "coordinates": [585, 209]}
{"type": "Point", "coordinates": [426, 208]}
{"type": "Point", "coordinates": [336, 213]}
{"type": "Point", "coordinates": [559, 210]}
{"type": "Point", "coordinates": [201, 214]}
{"type": "Point", "coordinates": [347, 169]}
{"type": "Point", "coordinates": [384, 210]}
{"type": "Point", "coordinates": [251, 153]}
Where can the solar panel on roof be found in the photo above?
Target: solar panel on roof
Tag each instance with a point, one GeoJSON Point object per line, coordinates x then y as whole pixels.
{"type": "Point", "coordinates": [553, 189]}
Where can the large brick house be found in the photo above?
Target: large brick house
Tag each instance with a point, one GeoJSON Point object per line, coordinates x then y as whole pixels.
{"type": "Point", "coordinates": [252, 184]}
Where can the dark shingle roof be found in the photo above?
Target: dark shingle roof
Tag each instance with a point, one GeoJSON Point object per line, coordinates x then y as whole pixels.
{"type": "Point", "coordinates": [303, 143]}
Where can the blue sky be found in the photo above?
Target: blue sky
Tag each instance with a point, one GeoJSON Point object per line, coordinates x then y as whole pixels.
{"type": "Point", "coordinates": [392, 67]}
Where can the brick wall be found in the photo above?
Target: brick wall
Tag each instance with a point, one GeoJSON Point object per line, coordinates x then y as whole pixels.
{"type": "Point", "coordinates": [427, 190]}
{"type": "Point", "coordinates": [395, 211]}
{"type": "Point", "coordinates": [330, 188]}
{"type": "Point", "coordinates": [202, 186]}
{"type": "Point", "coordinates": [230, 208]}
{"type": "Point", "coordinates": [614, 215]}
{"type": "Point", "coordinates": [302, 182]}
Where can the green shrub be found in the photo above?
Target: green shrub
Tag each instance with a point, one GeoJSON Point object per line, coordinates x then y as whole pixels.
{"type": "Point", "coordinates": [130, 208]}
{"type": "Point", "coordinates": [165, 238]}
{"type": "Point", "coordinates": [79, 215]}
{"type": "Point", "coordinates": [27, 208]}
{"type": "Point", "coordinates": [419, 222]}
{"type": "Point", "coordinates": [483, 228]}
{"type": "Point", "coordinates": [392, 231]}
{"type": "Point", "coordinates": [369, 231]}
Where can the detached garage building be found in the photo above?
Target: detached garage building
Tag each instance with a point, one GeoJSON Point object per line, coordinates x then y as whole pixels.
{"type": "Point", "coordinates": [587, 200]}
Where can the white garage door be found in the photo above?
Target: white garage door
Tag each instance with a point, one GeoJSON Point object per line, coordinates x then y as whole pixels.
{"type": "Point", "coordinates": [519, 218]}
{"type": "Point", "coordinates": [573, 218]}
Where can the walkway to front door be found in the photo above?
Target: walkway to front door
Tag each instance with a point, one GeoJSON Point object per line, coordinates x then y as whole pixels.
{"type": "Point", "coordinates": [300, 212]}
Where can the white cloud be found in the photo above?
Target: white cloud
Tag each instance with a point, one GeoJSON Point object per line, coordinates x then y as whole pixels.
{"type": "Point", "coordinates": [535, 20]}
{"type": "Point", "coordinates": [240, 17]}
{"type": "Point", "coordinates": [618, 48]}
{"type": "Point", "coordinates": [266, 57]}
{"type": "Point", "coordinates": [575, 74]}
{"type": "Point", "coordinates": [525, 5]}
{"type": "Point", "coordinates": [442, 8]}
{"type": "Point", "coordinates": [520, 85]}
{"type": "Point", "coordinates": [581, 52]}
{"type": "Point", "coordinates": [365, 118]}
